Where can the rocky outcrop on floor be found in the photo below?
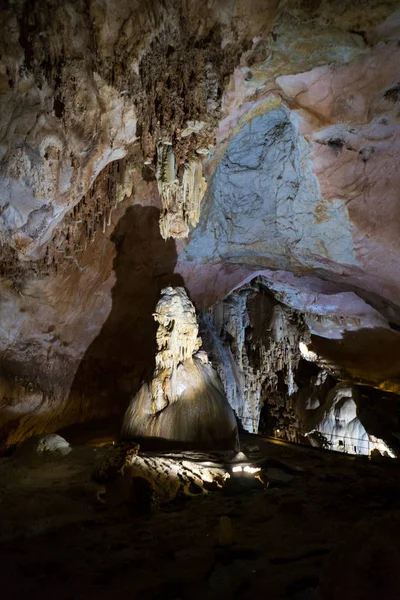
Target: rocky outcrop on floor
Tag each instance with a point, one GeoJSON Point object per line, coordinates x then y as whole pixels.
{"type": "Point", "coordinates": [328, 531]}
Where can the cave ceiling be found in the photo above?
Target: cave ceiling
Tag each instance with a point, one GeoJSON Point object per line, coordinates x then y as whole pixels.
{"type": "Point", "coordinates": [145, 144]}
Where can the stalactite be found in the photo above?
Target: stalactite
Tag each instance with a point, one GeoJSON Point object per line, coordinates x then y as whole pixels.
{"type": "Point", "coordinates": [78, 229]}
{"type": "Point", "coordinates": [180, 196]}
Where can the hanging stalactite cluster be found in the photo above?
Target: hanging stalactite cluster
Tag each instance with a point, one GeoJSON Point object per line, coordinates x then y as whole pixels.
{"type": "Point", "coordinates": [79, 227]}
{"type": "Point", "coordinates": [91, 215]}
{"type": "Point", "coordinates": [180, 199]}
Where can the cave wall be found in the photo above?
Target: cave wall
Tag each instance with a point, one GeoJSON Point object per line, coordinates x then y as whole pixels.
{"type": "Point", "coordinates": [81, 82]}
{"type": "Point", "coordinates": [320, 192]}
{"type": "Point", "coordinates": [292, 368]}
{"type": "Point", "coordinates": [87, 91]}
{"type": "Point", "coordinates": [292, 110]}
{"type": "Point", "coordinates": [105, 290]}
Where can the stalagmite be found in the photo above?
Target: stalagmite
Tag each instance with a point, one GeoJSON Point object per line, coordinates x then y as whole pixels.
{"type": "Point", "coordinates": [185, 400]}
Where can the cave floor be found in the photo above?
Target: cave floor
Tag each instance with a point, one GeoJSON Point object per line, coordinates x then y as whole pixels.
{"type": "Point", "coordinates": [57, 541]}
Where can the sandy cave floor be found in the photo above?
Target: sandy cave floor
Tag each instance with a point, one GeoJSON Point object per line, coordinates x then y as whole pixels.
{"type": "Point", "coordinates": [58, 542]}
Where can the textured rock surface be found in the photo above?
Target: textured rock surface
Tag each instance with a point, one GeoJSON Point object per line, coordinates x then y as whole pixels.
{"type": "Point", "coordinates": [322, 189]}
{"type": "Point", "coordinates": [262, 343]}
{"type": "Point", "coordinates": [171, 475]}
{"type": "Point", "coordinates": [180, 199]}
{"type": "Point", "coordinates": [43, 444]}
{"type": "Point", "coordinates": [254, 342]}
{"type": "Point", "coordinates": [71, 340]}
{"type": "Point", "coordinates": [62, 120]}
{"type": "Point", "coordinates": [266, 180]}
{"type": "Point", "coordinates": [339, 415]}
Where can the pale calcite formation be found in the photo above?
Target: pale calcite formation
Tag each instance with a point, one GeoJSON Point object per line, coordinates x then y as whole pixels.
{"type": "Point", "coordinates": [337, 421]}
{"type": "Point", "coordinates": [180, 198]}
{"type": "Point", "coordinates": [259, 341]}
{"type": "Point", "coordinates": [177, 342]}
{"type": "Point", "coordinates": [185, 400]}
{"type": "Point", "coordinates": [299, 104]}
{"type": "Point", "coordinates": [254, 342]}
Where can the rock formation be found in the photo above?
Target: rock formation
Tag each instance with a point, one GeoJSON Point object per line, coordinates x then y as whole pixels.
{"type": "Point", "coordinates": [259, 139]}
{"type": "Point", "coordinates": [338, 424]}
{"type": "Point", "coordinates": [180, 200]}
{"type": "Point", "coordinates": [254, 343]}
{"type": "Point", "coordinates": [261, 344]}
{"type": "Point", "coordinates": [185, 401]}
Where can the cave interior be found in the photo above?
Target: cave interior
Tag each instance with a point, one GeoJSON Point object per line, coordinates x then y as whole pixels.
{"type": "Point", "coordinates": [200, 299]}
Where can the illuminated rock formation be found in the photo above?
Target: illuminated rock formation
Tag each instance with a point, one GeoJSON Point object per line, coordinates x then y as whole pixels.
{"type": "Point", "coordinates": [185, 400]}
{"type": "Point", "coordinates": [339, 426]}
{"type": "Point", "coordinates": [254, 343]}
{"type": "Point", "coordinates": [180, 199]}
{"type": "Point", "coordinates": [261, 341]}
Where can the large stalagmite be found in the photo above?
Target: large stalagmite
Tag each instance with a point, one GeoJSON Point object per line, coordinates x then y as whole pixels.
{"type": "Point", "coordinates": [185, 400]}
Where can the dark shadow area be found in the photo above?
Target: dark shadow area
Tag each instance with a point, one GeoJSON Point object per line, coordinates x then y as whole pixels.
{"type": "Point", "coordinates": [159, 444]}
{"type": "Point", "coordinates": [123, 354]}
{"type": "Point", "coordinates": [379, 412]}
{"type": "Point", "coordinates": [371, 355]}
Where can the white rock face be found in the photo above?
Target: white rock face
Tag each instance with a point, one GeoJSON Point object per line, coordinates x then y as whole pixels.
{"type": "Point", "coordinates": [338, 423]}
{"type": "Point", "coordinates": [42, 445]}
{"type": "Point", "coordinates": [266, 180]}
{"type": "Point", "coordinates": [328, 312]}
{"type": "Point", "coordinates": [185, 400]}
